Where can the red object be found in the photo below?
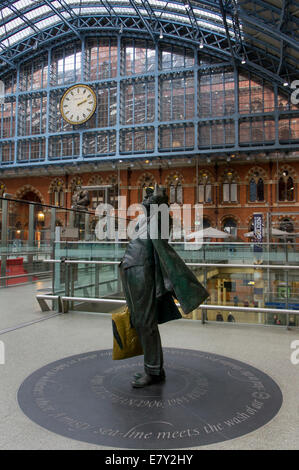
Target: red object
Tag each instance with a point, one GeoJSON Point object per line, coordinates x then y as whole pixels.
{"type": "Point", "coordinates": [14, 267]}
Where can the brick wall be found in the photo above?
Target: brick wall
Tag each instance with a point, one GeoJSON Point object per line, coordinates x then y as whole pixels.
{"type": "Point", "coordinates": [131, 182]}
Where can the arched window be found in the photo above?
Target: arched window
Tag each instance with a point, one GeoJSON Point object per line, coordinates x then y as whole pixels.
{"type": "Point", "coordinates": [204, 188]}
{"type": "Point", "coordinates": [256, 188]}
{"type": "Point", "coordinates": [97, 196]}
{"type": "Point", "coordinates": [230, 226]}
{"type": "Point", "coordinates": [74, 183]}
{"type": "Point", "coordinates": [57, 193]}
{"type": "Point", "coordinates": [112, 192]}
{"type": "Point", "coordinates": [175, 193]}
{"type": "Point", "coordinates": [281, 189]}
{"type": "Point", "coordinates": [175, 188]}
{"type": "Point", "coordinates": [252, 190]}
{"type": "Point", "coordinates": [290, 189]}
{"type": "Point", "coordinates": [2, 191]}
{"type": "Point", "coordinates": [146, 181]}
{"type": "Point", "coordinates": [260, 190]}
{"type": "Point", "coordinates": [286, 190]}
{"type": "Point", "coordinates": [229, 188]}
{"type": "Point", "coordinates": [206, 223]}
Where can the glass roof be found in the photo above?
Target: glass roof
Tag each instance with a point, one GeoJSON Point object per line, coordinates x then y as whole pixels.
{"type": "Point", "coordinates": [15, 15]}
{"type": "Point", "coordinates": [255, 28]}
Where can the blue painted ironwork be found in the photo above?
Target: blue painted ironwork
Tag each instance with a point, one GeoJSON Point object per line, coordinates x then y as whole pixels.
{"type": "Point", "coordinates": [186, 21]}
{"type": "Point", "coordinates": [74, 137]}
{"type": "Point", "coordinates": [59, 143]}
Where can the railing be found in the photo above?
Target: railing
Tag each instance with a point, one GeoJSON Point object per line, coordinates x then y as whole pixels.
{"type": "Point", "coordinates": [206, 252]}
{"type": "Point", "coordinates": [235, 273]}
{"type": "Point", "coordinates": [27, 233]}
{"type": "Point", "coordinates": [87, 285]}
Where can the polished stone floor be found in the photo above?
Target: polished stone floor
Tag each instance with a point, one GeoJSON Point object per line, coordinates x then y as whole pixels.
{"type": "Point", "coordinates": [33, 339]}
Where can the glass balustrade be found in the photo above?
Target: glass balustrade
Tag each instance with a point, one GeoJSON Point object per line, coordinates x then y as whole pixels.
{"type": "Point", "coordinates": [39, 240]}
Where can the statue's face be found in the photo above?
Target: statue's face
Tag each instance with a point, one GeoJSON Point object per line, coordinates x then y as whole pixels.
{"type": "Point", "coordinates": [158, 199]}
{"type": "Point", "coordinates": [148, 194]}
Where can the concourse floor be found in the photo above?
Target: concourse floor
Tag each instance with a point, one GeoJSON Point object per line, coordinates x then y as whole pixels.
{"type": "Point", "coordinates": [32, 339]}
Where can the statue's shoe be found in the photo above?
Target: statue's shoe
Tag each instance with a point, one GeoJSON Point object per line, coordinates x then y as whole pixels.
{"type": "Point", "coordinates": [137, 375]}
{"type": "Point", "coordinates": [146, 380]}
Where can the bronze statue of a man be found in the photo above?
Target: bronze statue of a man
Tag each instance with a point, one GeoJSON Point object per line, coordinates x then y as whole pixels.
{"type": "Point", "coordinates": [80, 199]}
{"type": "Point", "coordinates": [80, 202]}
{"type": "Point", "coordinates": [153, 275]}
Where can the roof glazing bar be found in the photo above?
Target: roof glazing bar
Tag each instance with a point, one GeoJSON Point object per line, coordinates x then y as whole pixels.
{"type": "Point", "coordinates": [223, 13]}
{"type": "Point", "coordinates": [7, 61]}
{"type": "Point", "coordinates": [262, 26]}
{"type": "Point", "coordinates": [68, 9]}
{"type": "Point", "coordinates": [57, 12]}
{"type": "Point", "coordinates": [20, 15]}
{"type": "Point", "coordinates": [142, 19]}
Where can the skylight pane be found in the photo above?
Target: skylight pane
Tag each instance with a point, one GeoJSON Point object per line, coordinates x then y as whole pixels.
{"type": "Point", "coordinates": [5, 43]}
{"type": "Point", "coordinates": [89, 11]}
{"type": "Point", "coordinates": [43, 24]}
{"type": "Point", "coordinates": [124, 10]}
{"type": "Point", "coordinates": [88, 2]}
{"type": "Point", "coordinates": [57, 5]}
{"type": "Point", "coordinates": [14, 24]}
{"type": "Point", "coordinates": [5, 12]}
{"type": "Point", "coordinates": [210, 26]}
{"type": "Point", "coordinates": [20, 35]}
{"type": "Point", "coordinates": [126, 2]}
{"type": "Point", "coordinates": [173, 16]}
{"type": "Point", "coordinates": [207, 14]}
{"type": "Point", "coordinates": [21, 4]}
{"type": "Point", "coordinates": [176, 6]}
{"type": "Point", "coordinates": [37, 12]}
{"type": "Point", "coordinates": [156, 3]}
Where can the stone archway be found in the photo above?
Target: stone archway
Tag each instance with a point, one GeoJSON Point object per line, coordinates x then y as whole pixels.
{"type": "Point", "coordinates": [27, 191]}
{"type": "Point", "coordinates": [20, 213]}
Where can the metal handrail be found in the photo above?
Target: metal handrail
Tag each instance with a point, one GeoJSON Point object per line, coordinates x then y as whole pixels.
{"type": "Point", "coordinates": [255, 266]}
{"type": "Point", "coordinates": [93, 299]}
{"type": "Point", "coordinates": [249, 309]}
{"type": "Point", "coordinates": [245, 244]}
{"type": "Point", "coordinates": [40, 204]}
{"type": "Point", "coordinates": [201, 306]}
{"type": "Point", "coordinates": [80, 261]}
{"type": "Point", "coordinates": [25, 275]}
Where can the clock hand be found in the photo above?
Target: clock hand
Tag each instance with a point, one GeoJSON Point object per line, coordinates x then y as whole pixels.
{"type": "Point", "coordinates": [81, 102]}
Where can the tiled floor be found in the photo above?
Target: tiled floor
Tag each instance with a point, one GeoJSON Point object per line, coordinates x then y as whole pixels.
{"type": "Point", "coordinates": [31, 347]}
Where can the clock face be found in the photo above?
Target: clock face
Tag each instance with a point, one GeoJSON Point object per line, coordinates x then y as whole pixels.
{"type": "Point", "coordinates": [78, 104]}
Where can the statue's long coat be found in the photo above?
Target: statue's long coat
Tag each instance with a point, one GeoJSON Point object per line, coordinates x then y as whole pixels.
{"type": "Point", "coordinates": [171, 276]}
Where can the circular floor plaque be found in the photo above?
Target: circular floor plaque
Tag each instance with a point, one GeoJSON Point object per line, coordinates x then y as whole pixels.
{"type": "Point", "coordinates": [205, 399]}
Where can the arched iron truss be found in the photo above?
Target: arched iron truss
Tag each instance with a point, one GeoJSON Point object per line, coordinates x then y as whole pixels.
{"type": "Point", "coordinates": [240, 38]}
{"type": "Point", "coordinates": [258, 35]}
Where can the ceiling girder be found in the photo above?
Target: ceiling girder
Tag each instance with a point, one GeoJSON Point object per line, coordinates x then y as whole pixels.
{"type": "Point", "coordinates": [57, 12]}
{"type": "Point", "coordinates": [223, 13]}
{"type": "Point", "coordinates": [132, 3]}
{"type": "Point", "coordinates": [232, 43]}
{"type": "Point", "coordinates": [263, 27]}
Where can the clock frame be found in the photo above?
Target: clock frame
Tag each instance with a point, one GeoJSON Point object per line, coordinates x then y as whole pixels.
{"type": "Point", "coordinates": [71, 91]}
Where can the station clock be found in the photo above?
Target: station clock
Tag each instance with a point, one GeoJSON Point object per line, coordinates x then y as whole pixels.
{"type": "Point", "coordinates": [78, 104]}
